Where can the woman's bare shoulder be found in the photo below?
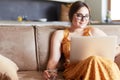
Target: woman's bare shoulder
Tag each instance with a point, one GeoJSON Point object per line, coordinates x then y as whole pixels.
{"type": "Point", "coordinates": [58, 34]}
{"type": "Point", "coordinates": [98, 32]}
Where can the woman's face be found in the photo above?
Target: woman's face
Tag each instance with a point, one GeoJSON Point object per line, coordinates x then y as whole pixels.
{"type": "Point", "coordinates": [81, 18]}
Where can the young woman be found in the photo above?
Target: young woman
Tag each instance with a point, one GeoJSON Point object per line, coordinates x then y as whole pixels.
{"type": "Point", "coordinates": [91, 68]}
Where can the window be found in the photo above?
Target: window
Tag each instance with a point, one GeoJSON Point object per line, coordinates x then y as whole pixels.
{"type": "Point", "coordinates": [113, 7]}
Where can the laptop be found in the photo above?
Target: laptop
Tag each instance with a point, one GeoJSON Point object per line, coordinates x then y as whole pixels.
{"type": "Point", "coordinates": [85, 46]}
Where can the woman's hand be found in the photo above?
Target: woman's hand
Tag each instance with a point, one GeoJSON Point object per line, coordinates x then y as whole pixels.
{"type": "Point", "coordinates": [50, 74]}
{"type": "Point", "coordinates": [46, 75]}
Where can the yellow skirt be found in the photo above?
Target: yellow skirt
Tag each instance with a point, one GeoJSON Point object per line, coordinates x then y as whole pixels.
{"type": "Point", "coordinates": [93, 68]}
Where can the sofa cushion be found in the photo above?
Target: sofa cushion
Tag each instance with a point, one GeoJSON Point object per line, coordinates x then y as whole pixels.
{"type": "Point", "coordinates": [35, 75]}
{"type": "Point", "coordinates": [18, 44]}
{"type": "Point", "coordinates": [43, 36]}
{"type": "Point", "coordinates": [30, 75]}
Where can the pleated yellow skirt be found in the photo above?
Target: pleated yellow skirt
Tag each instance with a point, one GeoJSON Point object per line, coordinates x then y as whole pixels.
{"type": "Point", "coordinates": [93, 68]}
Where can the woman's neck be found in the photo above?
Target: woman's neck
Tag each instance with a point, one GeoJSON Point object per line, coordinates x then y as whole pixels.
{"type": "Point", "coordinates": [74, 29]}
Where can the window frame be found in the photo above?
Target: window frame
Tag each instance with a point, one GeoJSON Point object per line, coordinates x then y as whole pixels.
{"type": "Point", "coordinates": [109, 5]}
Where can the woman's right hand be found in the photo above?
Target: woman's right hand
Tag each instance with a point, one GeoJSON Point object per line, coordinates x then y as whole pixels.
{"type": "Point", "coordinates": [50, 74]}
{"type": "Point", "coordinates": [46, 75]}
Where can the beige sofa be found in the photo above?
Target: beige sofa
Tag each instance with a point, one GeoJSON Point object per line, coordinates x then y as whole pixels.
{"type": "Point", "coordinates": [28, 47]}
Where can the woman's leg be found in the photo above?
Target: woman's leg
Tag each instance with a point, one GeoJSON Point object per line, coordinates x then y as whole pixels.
{"type": "Point", "coordinates": [93, 68]}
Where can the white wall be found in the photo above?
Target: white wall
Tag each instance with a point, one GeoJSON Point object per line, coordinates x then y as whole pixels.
{"type": "Point", "coordinates": [98, 9]}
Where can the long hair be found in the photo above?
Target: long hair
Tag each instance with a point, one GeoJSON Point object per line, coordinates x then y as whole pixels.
{"type": "Point", "coordinates": [75, 7]}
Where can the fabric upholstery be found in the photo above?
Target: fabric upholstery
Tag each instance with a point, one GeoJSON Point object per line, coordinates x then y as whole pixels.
{"type": "Point", "coordinates": [18, 44]}
{"type": "Point", "coordinates": [30, 75]}
{"type": "Point", "coordinates": [34, 75]}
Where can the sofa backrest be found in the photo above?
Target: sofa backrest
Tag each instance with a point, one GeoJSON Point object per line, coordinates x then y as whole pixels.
{"type": "Point", "coordinates": [43, 37]}
{"type": "Point", "coordinates": [18, 44]}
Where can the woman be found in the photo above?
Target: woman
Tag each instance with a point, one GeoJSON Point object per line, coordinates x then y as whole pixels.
{"type": "Point", "coordinates": [91, 68]}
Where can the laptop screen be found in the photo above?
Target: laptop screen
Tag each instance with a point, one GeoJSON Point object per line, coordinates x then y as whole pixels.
{"type": "Point", "coordinates": [85, 46]}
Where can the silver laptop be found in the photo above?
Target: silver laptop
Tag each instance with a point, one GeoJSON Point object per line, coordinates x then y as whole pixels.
{"type": "Point", "coordinates": [83, 47]}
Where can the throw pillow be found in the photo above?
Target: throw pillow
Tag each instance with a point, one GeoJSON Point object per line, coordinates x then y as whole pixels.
{"type": "Point", "coordinates": [8, 69]}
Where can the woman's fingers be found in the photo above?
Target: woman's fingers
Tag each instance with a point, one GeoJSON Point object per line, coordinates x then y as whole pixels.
{"type": "Point", "coordinates": [46, 75]}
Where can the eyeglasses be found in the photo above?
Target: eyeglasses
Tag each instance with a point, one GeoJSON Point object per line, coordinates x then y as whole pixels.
{"type": "Point", "coordinates": [79, 16]}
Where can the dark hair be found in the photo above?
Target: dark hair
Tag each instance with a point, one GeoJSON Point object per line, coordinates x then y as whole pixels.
{"type": "Point", "coordinates": [75, 7]}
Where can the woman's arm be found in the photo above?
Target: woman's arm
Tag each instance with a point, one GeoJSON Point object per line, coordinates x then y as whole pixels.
{"type": "Point", "coordinates": [55, 52]}
{"type": "Point", "coordinates": [98, 32]}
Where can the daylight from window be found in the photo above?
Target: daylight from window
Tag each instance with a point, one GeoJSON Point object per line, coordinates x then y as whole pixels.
{"type": "Point", "coordinates": [115, 12]}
